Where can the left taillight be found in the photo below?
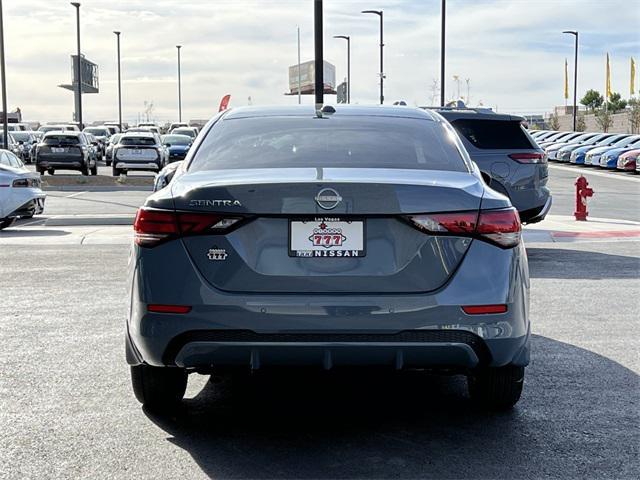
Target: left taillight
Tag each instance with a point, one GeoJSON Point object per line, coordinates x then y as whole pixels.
{"type": "Point", "coordinates": [529, 157]}
{"type": "Point", "coordinates": [153, 227]}
{"type": "Point", "coordinates": [500, 227]}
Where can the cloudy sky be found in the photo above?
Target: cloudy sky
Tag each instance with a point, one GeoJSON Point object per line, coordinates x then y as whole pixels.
{"type": "Point", "coordinates": [512, 51]}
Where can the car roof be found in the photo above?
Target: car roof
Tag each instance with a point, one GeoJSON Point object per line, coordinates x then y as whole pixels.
{"type": "Point", "coordinates": [139, 134]}
{"type": "Point", "coordinates": [309, 110]}
{"type": "Point", "coordinates": [69, 133]}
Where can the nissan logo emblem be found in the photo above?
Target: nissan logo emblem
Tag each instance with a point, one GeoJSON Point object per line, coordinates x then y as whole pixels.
{"type": "Point", "coordinates": [328, 198]}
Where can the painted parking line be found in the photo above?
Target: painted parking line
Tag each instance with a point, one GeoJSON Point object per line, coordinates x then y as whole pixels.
{"type": "Point", "coordinates": [586, 172]}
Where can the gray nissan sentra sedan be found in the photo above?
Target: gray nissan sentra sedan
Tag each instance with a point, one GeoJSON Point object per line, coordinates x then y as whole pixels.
{"type": "Point", "coordinates": [364, 236]}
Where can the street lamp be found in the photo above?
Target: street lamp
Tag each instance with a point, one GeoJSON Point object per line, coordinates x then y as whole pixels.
{"type": "Point", "coordinates": [78, 69]}
{"type": "Point", "coordinates": [348, 39]}
{"type": "Point", "coordinates": [179, 87]}
{"type": "Point", "coordinates": [379, 13]}
{"type": "Point", "coordinates": [119, 84]}
{"type": "Point", "coordinates": [575, 78]}
{"type": "Point", "coordinates": [5, 127]}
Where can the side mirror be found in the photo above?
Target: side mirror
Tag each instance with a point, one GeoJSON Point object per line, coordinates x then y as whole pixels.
{"type": "Point", "coordinates": [168, 145]}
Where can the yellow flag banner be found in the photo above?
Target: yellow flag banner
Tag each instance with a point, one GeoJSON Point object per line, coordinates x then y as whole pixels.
{"type": "Point", "coordinates": [566, 80]}
{"type": "Point", "coordinates": [632, 86]}
{"type": "Point", "coordinates": [608, 83]}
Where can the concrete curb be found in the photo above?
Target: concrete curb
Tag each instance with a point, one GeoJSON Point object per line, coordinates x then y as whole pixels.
{"type": "Point", "coordinates": [96, 188]}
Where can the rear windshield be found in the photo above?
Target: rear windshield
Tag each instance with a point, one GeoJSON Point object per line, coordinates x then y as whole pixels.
{"type": "Point", "coordinates": [137, 141]}
{"type": "Point", "coordinates": [350, 142]}
{"type": "Point", "coordinates": [61, 140]}
{"type": "Point", "coordinates": [180, 131]}
{"type": "Point", "coordinates": [100, 132]}
{"type": "Point", "coordinates": [176, 139]}
{"type": "Point", "coordinates": [493, 134]}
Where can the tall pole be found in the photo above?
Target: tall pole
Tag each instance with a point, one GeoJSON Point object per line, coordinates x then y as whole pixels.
{"type": "Point", "coordinates": [443, 15]}
{"type": "Point", "coordinates": [348, 39]}
{"type": "Point", "coordinates": [78, 68]}
{"type": "Point", "coordinates": [319, 60]}
{"type": "Point", "coordinates": [299, 73]}
{"type": "Point", "coordinates": [119, 85]}
{"type": "Point", "coordinates": [575, 78]}
{"type": "Point", "coordinates": [5, 127]}
{"type": "Point", "coordinates": [179, 87]}
{"type": "Point", "coordinates": [380, 14]}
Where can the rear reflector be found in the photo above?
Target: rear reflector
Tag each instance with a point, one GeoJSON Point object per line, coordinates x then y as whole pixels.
{"type": "Point", "coordinates": [484, 309]}
{"type": "Point", "coordinates": [501, 227]}
{"type": "Point", "coordinates": [152, 227]}
{"type": "Point", "coordinates": [529, 157]}
{"type": "Point", "coordinates": [160, 308]}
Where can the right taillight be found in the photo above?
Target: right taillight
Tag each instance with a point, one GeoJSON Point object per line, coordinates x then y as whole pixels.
{"type": "Point", "coordinates": [500, 227]}
{"type": "Point", "coordinates": [529, 157]}
{"type": "Point", "coordinates": [152, 227]}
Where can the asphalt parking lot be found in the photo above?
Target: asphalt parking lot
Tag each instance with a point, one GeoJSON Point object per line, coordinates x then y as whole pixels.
{"type": "Point", "coordinates": [67, 410]}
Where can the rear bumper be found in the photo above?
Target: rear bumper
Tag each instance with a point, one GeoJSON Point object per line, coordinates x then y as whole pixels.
{"type": "Point", "coordinates": [128, 165]}
{"type": "Point", "coordinates": [400, 331]}
{"type": "Point", "coordinates": [537, 214]}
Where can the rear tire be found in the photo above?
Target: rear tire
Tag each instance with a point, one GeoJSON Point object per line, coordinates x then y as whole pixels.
{"type": "Point", "coordinates": [116, 171]}
{"type": "Point", "coordinates": [85, 170]}
{"type": "Point", "coordinates": [94, 170]}
{"type": "Point", "coordinates": [6, 222]}
{"type": "Point", "coordinates": [158, 388]}
{"type": "Point", "coordinates": [496, 388]}
{"type": "Point", "coordinates": [51, 171]}
{"type": "Point", "coordinates": [40, 170]}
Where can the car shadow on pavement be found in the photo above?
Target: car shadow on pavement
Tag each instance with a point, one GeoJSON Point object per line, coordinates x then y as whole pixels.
{"type": "Point", "coordinates": [577, 419]}
{"type": "Point", "coordinates": [580, 264]}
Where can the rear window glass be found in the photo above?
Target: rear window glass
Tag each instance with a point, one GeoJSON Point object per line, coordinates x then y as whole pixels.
{"type": "Point", "coordinates": [137, 141]}
{"type": "Point", "coordinates": [61, 140]}
{"type": "Point", "coordinates": [350, 142]}
{"type": "Point", "coordinates": [493, 134]}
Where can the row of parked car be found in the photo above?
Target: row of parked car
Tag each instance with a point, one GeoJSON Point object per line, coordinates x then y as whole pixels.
{"type": "Point", "coordinates": [66, 147]}
{"type": "Point", "coordinates": [606, 150]}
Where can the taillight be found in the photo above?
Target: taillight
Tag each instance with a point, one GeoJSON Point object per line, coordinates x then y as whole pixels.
{"type": "Point", "coordinates": [162, 308]}
{"type": "Point", "coordinates": [152, 227]}
{"type": "Point", "coordinates": [500, 227]}
{"type": "Point", "coordinates": [529, 157]}
{"type": "Point", "coordinates": [484, 309]}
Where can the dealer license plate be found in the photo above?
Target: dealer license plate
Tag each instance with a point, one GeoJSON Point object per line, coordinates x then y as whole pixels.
{"type": "Point", "coordinates": [324, 237]}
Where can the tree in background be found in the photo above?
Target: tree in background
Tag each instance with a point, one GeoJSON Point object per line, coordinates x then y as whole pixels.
{"type": "Point", "coordinates": [634, 115]}
{"type": "Point", "coordinates": [581, 124]}
{"type": "Point", "coordinates": [554, 122]}
{"type": "Point", "coordinates": [604, 119]}
{"type": "Point", "coordinates": [592, 100]}
{"type": "Point", "coordinates": [616, 102]}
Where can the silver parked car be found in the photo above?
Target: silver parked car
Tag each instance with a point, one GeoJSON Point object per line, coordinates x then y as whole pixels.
{"type": "Point", "coordinates": [139, 151]}
{"type": "Point", "coordinates": [365, 236]}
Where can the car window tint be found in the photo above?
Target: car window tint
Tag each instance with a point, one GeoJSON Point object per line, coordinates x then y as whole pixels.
{"type": "Point", "coordinates": [340, 141]}
{"type": "Point", "coordinates": [493, 134]}
{"type": "Point", "coordinates": [61, 140]}
{"type": "Point", "coordinates": [14, 161]}
{"type": "Point", "coordinates": [137, 141]}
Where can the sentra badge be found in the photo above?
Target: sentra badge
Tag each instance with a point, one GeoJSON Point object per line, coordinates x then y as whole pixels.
{"type": "Point", "coordinates": [215, 203]}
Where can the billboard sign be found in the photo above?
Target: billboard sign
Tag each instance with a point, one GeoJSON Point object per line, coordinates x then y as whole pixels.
{"type": "Point", "coordinates": [89, 74]}
{"type": "Point", "coordinates": [308, 76]}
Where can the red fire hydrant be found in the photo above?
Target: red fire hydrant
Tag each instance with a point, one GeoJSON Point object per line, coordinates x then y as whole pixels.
{"type": "Point", "coordinates": [582, 193]}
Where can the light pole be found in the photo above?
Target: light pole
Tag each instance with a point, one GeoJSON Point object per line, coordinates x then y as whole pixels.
{"type": "Point", "coordinates": [119, 84]}
{"type": "Point", "coordinates": [575, 78]}
{"type": "Point", "coordinates": [78, 69]}
{"type": "Point", "coordinates": [179, 87]}
{"type": "Point", "coordinates": [319, 55]}
{"type": "Point", "coordinates": [443, 14]}
{"type": "Point", "coordinates": [5, 128]}
{"type": "Point", "coordinates": [348, 39]}
{"type": "Point", "coordinates": [380, 14]}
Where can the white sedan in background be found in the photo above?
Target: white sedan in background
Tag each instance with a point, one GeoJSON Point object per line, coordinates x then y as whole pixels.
{"type": "Point", "coordinates": [20, 192]}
